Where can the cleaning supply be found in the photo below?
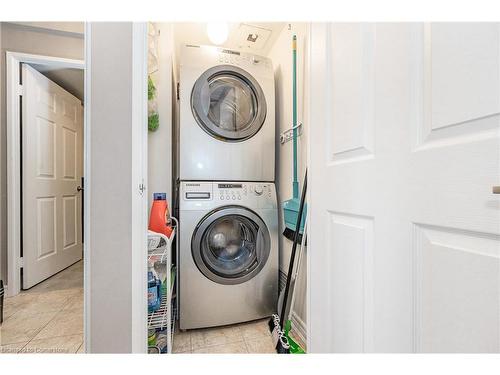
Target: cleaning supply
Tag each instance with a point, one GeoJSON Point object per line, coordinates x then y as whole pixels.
{"type": "Point", "coordinates": [162, 341]}
{"type": "Point", "coordinates": [291, 206]}
{"type": "Point", "coordinates": [152, 337]}
{"type": "Point", "coordinates": [278, 324]}
{"type": "Point", "coordinates": [159, 219]}
{"type": "Point", "coordinates": [154, 290]}
{"type": "Point", "coordinates": [294, 347]}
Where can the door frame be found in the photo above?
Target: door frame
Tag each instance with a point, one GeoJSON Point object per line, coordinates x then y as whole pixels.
{"type": "Point", "coordinates": [13, 67]}
{"type": "Point", "coordinates": [316, 107]}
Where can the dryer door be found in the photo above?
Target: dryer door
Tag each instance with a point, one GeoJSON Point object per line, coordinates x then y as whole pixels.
{"type": "Point", "coordinates": [231, 245]}
{"type": "Point", "coordinates": [228, 103]}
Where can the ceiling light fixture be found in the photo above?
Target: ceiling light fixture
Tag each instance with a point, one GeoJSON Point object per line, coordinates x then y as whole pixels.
{"type": "Point", "coordinates": [217, 32]}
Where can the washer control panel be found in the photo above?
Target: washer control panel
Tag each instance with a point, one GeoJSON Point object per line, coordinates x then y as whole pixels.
{"type": "Point", "coordinates": [259, 194]}
{"type": "Point", "coordinates": [243, 191]}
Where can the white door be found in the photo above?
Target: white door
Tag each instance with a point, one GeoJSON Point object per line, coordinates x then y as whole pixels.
{"type": "Point", "coordinates": [404, 228]}
{"type": "Point", "coordinates": [52, 163]}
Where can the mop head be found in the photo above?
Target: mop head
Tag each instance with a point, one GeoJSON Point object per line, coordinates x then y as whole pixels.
{"type": "Point", "coordinates": [273, 322]}
{"type": "Point", "coordinates": [280, 340]}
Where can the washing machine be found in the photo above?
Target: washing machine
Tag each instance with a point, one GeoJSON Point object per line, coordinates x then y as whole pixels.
{"type": "Point", "coordinates": [228, 253]}
{"type": "Point", "coordinates": [226, 116]}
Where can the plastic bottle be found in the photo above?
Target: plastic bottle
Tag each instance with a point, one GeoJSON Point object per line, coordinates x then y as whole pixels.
{"type": "Point", "coordinates": [159, 217]}
{"type": "Point", "coordinates": [154, 290]}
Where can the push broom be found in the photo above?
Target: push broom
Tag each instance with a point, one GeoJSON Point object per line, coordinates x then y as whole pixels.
{"type": "Point", "coordinates": [278, 324]}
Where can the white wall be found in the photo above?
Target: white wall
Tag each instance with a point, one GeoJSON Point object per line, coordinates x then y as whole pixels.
{"type": "Point", "coordinates": [281, 55]}
{"type": "Point", "coordinates": [3, 207]}
{"type": "Point", "coordinates": [160, 141]}
{"type": "Point", "coordinates": [116, 256]}
{"type": "Point", "coordinates": [19, 38]}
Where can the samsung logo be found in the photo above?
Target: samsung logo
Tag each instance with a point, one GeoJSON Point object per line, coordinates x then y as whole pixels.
{"type": "Point", "coordinates": [230, 52]}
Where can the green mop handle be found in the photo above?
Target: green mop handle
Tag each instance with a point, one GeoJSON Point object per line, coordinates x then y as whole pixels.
{"type": "Point", "coordinates": [294, 94]}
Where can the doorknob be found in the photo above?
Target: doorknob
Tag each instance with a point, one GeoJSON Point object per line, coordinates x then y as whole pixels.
{"type": "Point", "coordinates": [496, 189]}
{"type": "Point", "coordinates": [79, 189]}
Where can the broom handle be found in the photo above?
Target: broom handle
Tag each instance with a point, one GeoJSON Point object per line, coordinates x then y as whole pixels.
{"type": "Point", "coordinates": [295, 184]}
{"type": "Point", "coordinates": [294, 249]}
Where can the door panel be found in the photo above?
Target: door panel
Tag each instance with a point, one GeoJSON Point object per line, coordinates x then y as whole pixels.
{"type": "Point", "coordinates": [351, 135]}
{"type": "Point", "coordinates": [52, 160]}
{"type": "Point", "coordinates": [412, 153]}
{"type": "Point", "coordinates": [457, 291]}
{"type": "Point", "coordinates": [46, 226]}
{"type": "Point", "coordinates": [70, 221]}
{"type": "Point", "coordinates": [456, 83]}
{"type": "Point", "coordinates": [70, 147]}
{"type": "Point", "coordinates": [464, 71]}
{"type": "Point", "coordinates": [46, 156]}
{"type": "Point", "coordinates": [351, 248]}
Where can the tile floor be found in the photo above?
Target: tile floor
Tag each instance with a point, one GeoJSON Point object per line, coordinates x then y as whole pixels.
{"type": "Point", "coordinates": [47, 318]}
{"type": "Point", "coordinates": [252, 337]}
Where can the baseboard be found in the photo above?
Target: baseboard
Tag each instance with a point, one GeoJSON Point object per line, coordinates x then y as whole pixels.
{"type": "Point", "coordinates": [299, 328]}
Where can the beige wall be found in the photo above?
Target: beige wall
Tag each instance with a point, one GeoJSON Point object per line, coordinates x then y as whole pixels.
{"type": "Point", "coordinates": [28, 39]}
{"type": "Point", "coordinates": [281, 54]}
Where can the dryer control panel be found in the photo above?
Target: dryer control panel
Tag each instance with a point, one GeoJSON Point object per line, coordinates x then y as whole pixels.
{"type": "Point", "coordinates": [214, 194]}
{"type": "Point", "coordinates": [207, 56]}
{"type": "Point", "coordinates": [226, 56]}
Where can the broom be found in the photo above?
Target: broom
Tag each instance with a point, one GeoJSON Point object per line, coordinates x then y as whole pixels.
{"type": "Point", "coordinates": [277, 323]}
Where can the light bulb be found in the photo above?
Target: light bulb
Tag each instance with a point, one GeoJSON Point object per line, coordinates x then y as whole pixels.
{"type": "Point", "coordinates": [217, 32]}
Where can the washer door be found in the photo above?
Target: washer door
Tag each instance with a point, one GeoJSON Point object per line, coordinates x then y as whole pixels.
{"type": "Point", "coordinates": [228, 103]}
{"type": "Point", "coordinates": [231, 245]}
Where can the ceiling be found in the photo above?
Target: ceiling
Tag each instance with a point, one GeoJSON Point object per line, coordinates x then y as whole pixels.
{"type": "Point", "coordinates": [196, 33]}
{"type": "Point", "coordinates": [72, 80]}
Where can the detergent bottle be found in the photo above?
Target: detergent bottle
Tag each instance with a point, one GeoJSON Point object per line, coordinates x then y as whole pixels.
{"type": "Point", "coordinates": [159, 216]}
{"type": "Point", "coordinates": [154, 290]}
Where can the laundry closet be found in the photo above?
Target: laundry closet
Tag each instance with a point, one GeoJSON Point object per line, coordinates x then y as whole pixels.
{"type": "Point", "coordinates": [220, 158]}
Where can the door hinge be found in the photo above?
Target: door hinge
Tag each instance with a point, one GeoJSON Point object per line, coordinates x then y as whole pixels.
{"type": "Point", "coordinates": [20, 90]}
{"type": "Point", "coordinates": [21, 262]}
{"type": "Point", "coordinates": [178, 90]}
{"type": "Point", "coordinates": [142, 188]}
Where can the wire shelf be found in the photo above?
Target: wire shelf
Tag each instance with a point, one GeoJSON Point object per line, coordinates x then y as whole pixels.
{"type": "Point", "coordinates": [159, 319]}
{"type": "Point", "coordinates": [159, 246]}
{"type": "Point", "coordinates": [160, 250]}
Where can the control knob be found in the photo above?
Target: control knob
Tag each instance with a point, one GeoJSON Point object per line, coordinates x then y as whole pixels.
{"type": "Point", "coordinates": [258, 190]}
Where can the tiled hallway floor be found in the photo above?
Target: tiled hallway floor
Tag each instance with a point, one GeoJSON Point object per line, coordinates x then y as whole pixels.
{"type": "Point", "coordinates": [252, 337]}
{"type": "Point", "coordinates": [47, 318]}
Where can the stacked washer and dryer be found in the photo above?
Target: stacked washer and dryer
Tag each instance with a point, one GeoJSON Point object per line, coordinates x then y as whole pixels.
{"type": "Point", "coordinates": [228, 211]}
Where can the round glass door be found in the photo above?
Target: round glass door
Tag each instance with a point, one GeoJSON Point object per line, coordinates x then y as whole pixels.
{"type": "Point", "coordinates": [228, 103]}
{"type": "Point", "coordinates": [231, 245]}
